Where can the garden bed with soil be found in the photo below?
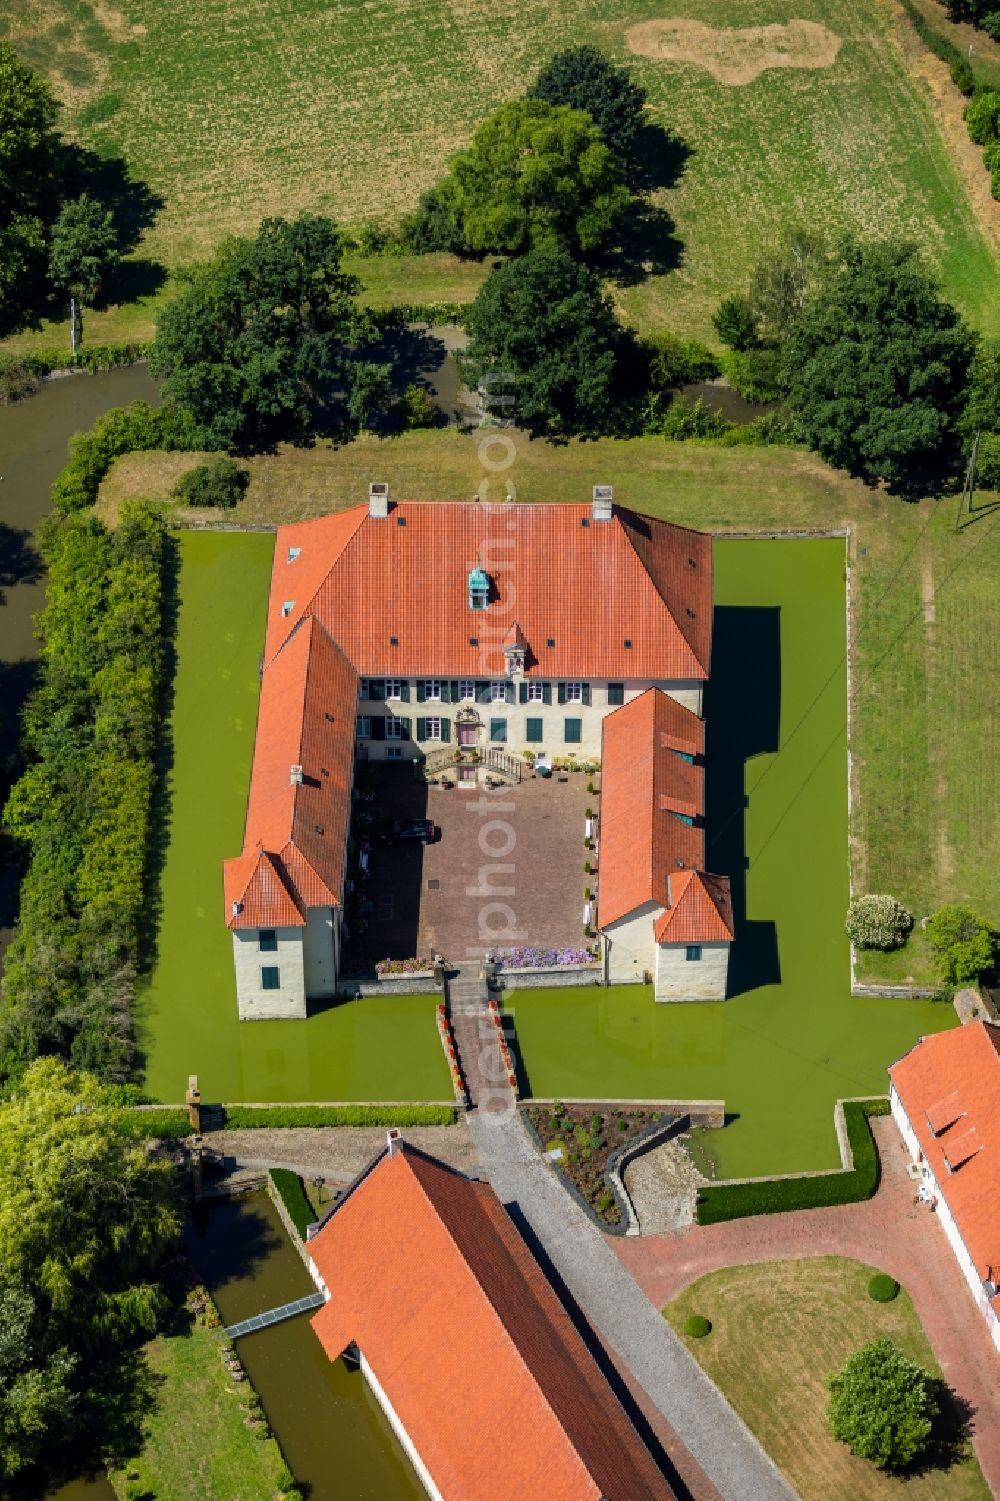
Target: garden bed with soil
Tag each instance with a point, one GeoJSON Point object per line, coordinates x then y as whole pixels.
{"type": "Point", "coordinates": [592, 1138]}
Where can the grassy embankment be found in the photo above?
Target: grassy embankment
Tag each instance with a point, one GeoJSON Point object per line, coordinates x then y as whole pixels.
{"type": "Point", "coordinates": [354, 110]}
{"type": "Point", "coordinates": [778, 1330]}
{"type": "Point", "coordinates": [199, 1445]}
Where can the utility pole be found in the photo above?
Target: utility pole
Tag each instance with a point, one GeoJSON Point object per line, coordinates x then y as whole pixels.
{"type": "Point", "coordinates": [968, 489]}
{"type": "Point", "coordinates": [72, 324]}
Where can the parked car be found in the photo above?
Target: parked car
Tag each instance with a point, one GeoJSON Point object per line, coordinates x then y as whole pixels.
{"type": "Point", "coordinates": [411, 831]}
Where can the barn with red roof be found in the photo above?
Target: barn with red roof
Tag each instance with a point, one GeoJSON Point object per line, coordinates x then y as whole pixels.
{"type": "Point", "coordinates": [483, 1376]}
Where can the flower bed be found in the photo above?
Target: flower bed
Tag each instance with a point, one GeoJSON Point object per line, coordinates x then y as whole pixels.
{"type": "Point", "coordinates": [591, 1136]}
{"type": "Point", "coordinates": [386, 967]}
{"type": "Point", "coordinates": [531, 958]}
{"type": "Point", "coordinates": [450, 1053]}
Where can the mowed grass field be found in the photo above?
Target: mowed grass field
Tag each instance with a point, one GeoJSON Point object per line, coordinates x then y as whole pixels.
{"type": "Point", "coordinates": [233, 111]}
{"type": "Point", "coordinates": [925, 740]}
{"type": "Point", "coordinates": [778, 1330]}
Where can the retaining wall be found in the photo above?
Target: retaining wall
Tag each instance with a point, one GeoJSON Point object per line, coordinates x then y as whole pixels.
{"type": "Point", "coordinates": [548, 979]}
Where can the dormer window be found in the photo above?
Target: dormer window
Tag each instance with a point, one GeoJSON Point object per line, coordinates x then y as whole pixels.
{"type": "Point", "coordinates": [479, 589]}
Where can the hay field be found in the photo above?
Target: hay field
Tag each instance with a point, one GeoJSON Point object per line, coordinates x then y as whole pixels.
{"type": "Point", "coordinates": [234, 111]}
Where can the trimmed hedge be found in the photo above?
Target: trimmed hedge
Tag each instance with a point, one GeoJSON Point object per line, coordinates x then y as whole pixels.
{"type": "Point", "coordinates": [253, 1117]}
{"type": "Point", "coordinates": [288, 1186]}
{"type": "Point", "coordinates": [697, 1326]}
{"type": "Point", "coordinates": [160, 1125]}
{"type": "Point", "coordinates": [733, 1201]}
{"type": "Point", "coordinates": [882, 1288]}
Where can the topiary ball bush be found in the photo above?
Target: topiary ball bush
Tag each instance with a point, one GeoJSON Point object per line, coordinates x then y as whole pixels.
{"type": "Point", "coordinates": [883, 1288]}
{"type": "Point", "coordinates": [697, 1326]}
{"type": "Point", "coordinates": [878, 922]}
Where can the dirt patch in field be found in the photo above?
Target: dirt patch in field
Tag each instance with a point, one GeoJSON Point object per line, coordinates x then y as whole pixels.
{"type": "Point", "coordinates": [118, 27]}
{"type": "Point", "coordinates": [735, 55]}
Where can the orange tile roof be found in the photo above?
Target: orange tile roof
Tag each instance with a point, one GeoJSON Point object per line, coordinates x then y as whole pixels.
{"type": "Point", "coordinates": [643, 781]}
{"type": "Point", "coordinates": [491, 1381]}
{"type": "Point", "coordinates": [587, 586]}
{"type": "Point", "coordinates": [965, 1155]}
{"type": "Point", "coordinates": [296, 832]}
{"type": "Point", "coordinates": [700, 909]}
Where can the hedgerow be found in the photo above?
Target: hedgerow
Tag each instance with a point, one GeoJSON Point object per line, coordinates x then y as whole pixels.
{"type": "Point", "coordinates": [119, 430]}
{"type": "Point", "coordinates": [288, 1186]}
{"type": "Point", "coordinates": [160, 1125]}
{"type": "Point", "coordinates": [255, 1117]}
{"type": "Point", "coordinates": [733, 1201]}
{"type": "Point", "coordinates": [81, 810]}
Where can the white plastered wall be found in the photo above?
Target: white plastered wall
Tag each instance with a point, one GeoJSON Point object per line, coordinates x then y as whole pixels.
{"type": "Point", "coordinates": [630, 946]}
{"type": "Point", "coordinates": [678, 978]}
{"type": "Point", "coordinates": [320, 952]}
{"type": "Point", "coordinates": [255, 1003]}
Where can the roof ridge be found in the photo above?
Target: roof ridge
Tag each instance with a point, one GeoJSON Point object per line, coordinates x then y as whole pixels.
{"type": "Point", "coordinates": [484, 1288]}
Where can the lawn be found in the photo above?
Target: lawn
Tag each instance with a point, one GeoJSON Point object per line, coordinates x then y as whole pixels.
{"type": "Point", "coordinates": [778, 1330]}
{"type": "Point", "coordinates": [243, 110]}
{"type": "Point", "coordinates": [375, 1050]}
{"type": "Point", "coordinates": [198, 1447]}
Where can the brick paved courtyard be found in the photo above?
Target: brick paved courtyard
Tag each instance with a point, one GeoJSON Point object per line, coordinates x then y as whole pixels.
{"type": "Point", "coordinates": [889, 1231]}
{"type": "Point", "coordinates": [508, 868]}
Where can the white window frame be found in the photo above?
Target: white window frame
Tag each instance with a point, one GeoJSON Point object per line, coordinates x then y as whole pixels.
{"type": "Point", "coordinates": [393, 728]}
{"type": "Point", "coordinates": [467, 690]}
{"type": "Point", "coordinates": [574, 693]}
{"type": "Point", "coordinates": [364, 691]}
{"type": "Point", "coordinates": [498, 692]}
{"type": "Point", "coordinates": [362, 727]}
{"type": "Point", "coordinates": [536, 693]}
{"type": "Point", "coordinates": [432, 727]}
{"type": "Point", "coordinates": [393, 688]}
{"type": "Point", "coordinates": [394, 753]}
{"type": "Point", "coordinates": [433, 690]}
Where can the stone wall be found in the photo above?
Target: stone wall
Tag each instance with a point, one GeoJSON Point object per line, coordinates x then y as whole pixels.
{"type": "Point", "coordinates": [548, 979]}
{"type": "Point", "coordinates": [420, 983]}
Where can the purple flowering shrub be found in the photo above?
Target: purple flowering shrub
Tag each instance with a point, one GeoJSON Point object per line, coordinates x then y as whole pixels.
{"type": "Point", "coordinates": [525, 957]}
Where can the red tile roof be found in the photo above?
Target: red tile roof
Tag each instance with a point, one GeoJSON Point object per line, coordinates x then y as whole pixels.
{"type": "Point", "coordinates": [494, 1386]}
{"type": "Point", "coordinates": [588, 586]}
{"type": "Point", "coordinates": [964, 1154]}
{"type": "Point", "coordinates": [643, 782]}
{"type": "Point", "coordinates": [700, 909]}
{"type": "Point", "coordinates": [296, 832]}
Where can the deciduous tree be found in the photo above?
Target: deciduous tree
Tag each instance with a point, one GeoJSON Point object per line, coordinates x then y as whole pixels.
{"type": "Point", "coordinates": [881, 1406]}
{"type": "Point", "coordinates": [876, 365]}
{"type": "Point", "coordinates": [584, 78]}
{"type": "Point", "coordinates": [27, 180]}
{"type": "Point", "coordinates": [964, 943]}
{"type": "Point", "coordinates": [84, 248]}
{"type": "Point", "coordinates": [544, 322]}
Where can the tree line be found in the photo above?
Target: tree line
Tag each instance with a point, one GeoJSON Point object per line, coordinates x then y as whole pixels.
{"type": "Point", "coordinates": [81, 811]}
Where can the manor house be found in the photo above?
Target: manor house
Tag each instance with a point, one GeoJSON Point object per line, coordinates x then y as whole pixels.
{"type": "Point", "coordinates": [405, 631]}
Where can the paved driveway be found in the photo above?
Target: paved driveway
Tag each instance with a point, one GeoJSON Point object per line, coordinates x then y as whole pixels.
{"type": "Point", "coordinates": [890, 1232]}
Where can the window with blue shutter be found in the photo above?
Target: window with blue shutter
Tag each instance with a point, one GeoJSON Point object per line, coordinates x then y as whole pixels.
{"type": "Point", "coordinates": [572, 731]}
{"type": "Point", "coordinates": [533, 731]}
{"type": "Point", "coordinates": [498, 730]}
{"type": "Point", "coordinates": [616, 693]}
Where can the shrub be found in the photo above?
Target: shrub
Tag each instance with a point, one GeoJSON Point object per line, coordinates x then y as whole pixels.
{"type": "Point", "coordinates": [732, 1201]}
{"type": "Point", "coordinates": [673, 361]}
{"type": "Point", "coordinates": [883, 1288]}
{"type": "Point", "coordinates": [963, 942]}
{"type": "Point", "coordinates": [697, 1326]}
{"type": "Point", "coordinates": [19, 376]}
{"type": "Point", "coordinates": [982, 117]}
{"type": "Point", "coordinates": [253, 1117]}
{"type": "Point", "coordinates": [219, 482]}
{"type": "Point", "coordinates": [882, 1406]}
{"type": "Point", "coordinates": [417, 408]}
{"type": "Point", "coordinates": [988, 457]}
{"type": "Point", "coordinates": [685, 418]}
{"type": "Point", "coordinates": [878, 922]}
{"type": "Point", "coordinates": [288, 1186]}
{"type": "Point", "coordinates": [155, 1125]}
{"type": "Point", "coordinates": [991, 24]}
{"type": "Point", "coordinates": [767, 430]}
{"type": "Point", "coordinates": [735, 322]}
{"type": "Point", "coordinates": [756, 374]}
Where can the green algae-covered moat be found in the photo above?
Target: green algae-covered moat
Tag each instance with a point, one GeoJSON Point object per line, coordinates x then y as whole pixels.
{"type": "Point", "coordinates": [787, 1044]}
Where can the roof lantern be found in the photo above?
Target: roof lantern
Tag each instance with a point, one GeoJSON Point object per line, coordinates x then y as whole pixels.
{"type": "Point", "coordinates": [479, 588]}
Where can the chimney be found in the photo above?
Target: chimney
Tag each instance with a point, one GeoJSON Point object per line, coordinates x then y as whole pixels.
{"type": "Point", "coordinates": [391, 1138]}
{"type": "Point", "coordinates": [602, 504]}
{"type": "Point", "coordinates": [295, 776]}
{"type": "Point", "coordinates": [378, 498]}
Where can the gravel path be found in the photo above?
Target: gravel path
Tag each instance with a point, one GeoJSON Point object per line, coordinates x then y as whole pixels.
{"type": "Point", "coordinates": [624, 1318]}
{"type": "Point", "coordinates": [338, 1152]}
{"type": "Point", "coordinates": [663, 1185]}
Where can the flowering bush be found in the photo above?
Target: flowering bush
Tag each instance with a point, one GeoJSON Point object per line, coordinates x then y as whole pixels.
{"type": "Point", "coordinates": [402, 966]}
{"type": "Point", "coordinates": [878, 922]}
{"type": "Point", "coordinates": [529, 958]}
